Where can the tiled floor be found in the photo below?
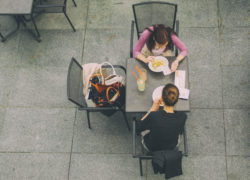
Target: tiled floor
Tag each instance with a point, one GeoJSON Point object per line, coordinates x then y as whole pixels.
{"type": "Point", "coordinates": [44, 136]}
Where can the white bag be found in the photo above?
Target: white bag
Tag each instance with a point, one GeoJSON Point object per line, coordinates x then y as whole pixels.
{"type": "Point", "coordinates": [112, 78]}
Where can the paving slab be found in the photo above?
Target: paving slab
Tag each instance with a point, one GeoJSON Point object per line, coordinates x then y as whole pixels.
{"type": "Point", "coordinates": [56, 49]}
{"type": "Point", "coordinates": [197, 168]}
{"type": "Point", "coordinates": [34, 166]}
{"type": "Point", "coordinates": [9, 50]}
{"type": "Point", "coordinates": [40, 87]}
{"type": "Point", "coordinates": [110, 14]}
{"type": "Point", "coordinates": [234, 46]}
{"type": "Point", "coordinates": [237, 126]}
{"type": "Point", "coordinates": [56, 21]}
{"type": "Point", "coordinates": [7, 83]}
{"type": "Point", "coordinates": [234, 13]}
{"type": "Point", "coordinates": [37, 130]}
{"type": "Point", "coordinates": [205, 86]}
{"type": "Point", "coordinates": [238, 167]}
{"type": "Point", "coordinates": [205, 132]}
{"type": "Point", "coordinates": [203, 46]}
{"type": "Point", "coordinates": [200, 13]}
{"type": "Point", "coordinates": [108, 134]}
{"type": "Point", "coordinates": [106, 45]}
{"type": "Point", "coordinates": [236, 86]}
{"type": "Point", "coordinates": [104, 167]}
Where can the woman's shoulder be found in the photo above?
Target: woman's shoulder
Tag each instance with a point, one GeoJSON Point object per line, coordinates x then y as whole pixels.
{"type": "Point", "coordinates": [181, 115]}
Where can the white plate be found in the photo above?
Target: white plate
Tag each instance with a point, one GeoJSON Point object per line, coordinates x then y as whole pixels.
{"type": "Point", "coordinates": [157, 93]}
{"type": "Point", "coordinates": [164, 68]}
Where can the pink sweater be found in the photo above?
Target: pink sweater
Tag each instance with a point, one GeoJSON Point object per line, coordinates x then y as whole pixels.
{"type": "Point", "coordinates": [145, 36]}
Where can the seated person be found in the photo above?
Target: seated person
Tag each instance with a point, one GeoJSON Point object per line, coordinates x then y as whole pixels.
{"type": "Point", "coordinates": [164, 125]}
{"type": "Point", "coordinates": [157, 40]}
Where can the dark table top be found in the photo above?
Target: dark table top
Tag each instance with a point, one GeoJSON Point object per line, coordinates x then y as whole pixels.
{"type": "Point", "coordinates": [12, 7]}
{"type": "Point", "coordinates": [142, 101]}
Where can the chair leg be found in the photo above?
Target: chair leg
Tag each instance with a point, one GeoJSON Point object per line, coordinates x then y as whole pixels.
{"type": "Point", "coordinates": [125, 118]}
{"type": "Point", "coordinates": [140, 162]}
{"type": "Point", "coordinates": [74, 3]}
{"type": "Point", "coordinates": [88, 119]}
{"type": "Point", "coordinates": [37, 36]}
{"type": "Point", "coordinates": [69, 21]}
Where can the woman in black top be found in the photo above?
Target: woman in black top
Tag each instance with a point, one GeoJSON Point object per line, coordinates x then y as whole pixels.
{"type": "Point", "coordinates": [164, 125]}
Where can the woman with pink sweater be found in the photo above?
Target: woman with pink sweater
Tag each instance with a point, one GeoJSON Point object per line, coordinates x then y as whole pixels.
{"type": "Point", "coordinates": [158, 40]}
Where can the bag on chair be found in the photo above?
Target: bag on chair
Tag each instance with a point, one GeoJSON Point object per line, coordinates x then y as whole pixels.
{"type": "Point", "coordinates": [107, 91]}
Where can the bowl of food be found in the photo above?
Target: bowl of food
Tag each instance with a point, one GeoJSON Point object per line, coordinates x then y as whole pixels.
{"type": "Point", "coordinates": [160, 64]}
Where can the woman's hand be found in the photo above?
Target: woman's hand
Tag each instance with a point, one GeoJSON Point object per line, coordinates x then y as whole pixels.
{"type": "Point", "coordinates": [149, 59]}
{"type": "Point", "coordinates": [174, 65]}
{"type": "Point", "coordinates": [156, 104]}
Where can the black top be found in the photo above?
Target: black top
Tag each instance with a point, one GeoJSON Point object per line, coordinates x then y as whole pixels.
{"type": "Point", "coordinates": [164, 129]}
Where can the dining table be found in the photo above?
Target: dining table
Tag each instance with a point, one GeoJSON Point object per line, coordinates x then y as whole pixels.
{"type": "Point", "coordinates": [18, 9]}
{"type": "Point", "coordinates": [137, 101]}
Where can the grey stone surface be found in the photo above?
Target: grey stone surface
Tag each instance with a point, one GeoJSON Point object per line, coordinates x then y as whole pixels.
{"type": "Point", "coordinates": [7, 83]}
{"type": "Point", "coordinates": [44, 87]}
{"type": "Point", "coordinates": [106, 45]}
{"type": "Point", "coordinates": [203, 46]}
{"type": "Point", "coordinates": [201, 13]}
{"type": "Point", "coordinates": [205, 86]}
{"type": "Point", "coordinates": [37, 130]}
{"type": "Point", "coordinates": [235, 46]}
{"type": "Point", "coordinates": [238, 167]}
{"type": "Point", "coordinates": [237, 126]}
{"type": "Point", "coordinates": [56, 21]}
{"type": "Point", "coordinates": [56, 50]}
{"type": "Point", "coordinates": [34, 166]}
{"type": "Point", "coordinates": [205, 132]}
{"type": "Point", "coordinates": [108, 134]}
{"type": "Point", "coordinates": [197, 168]}
{"type": "Point", "coordinates": [8, 50]}
{"type": "Point", "coordinates": [236, 86]}
{"type": "Point", "coordinates": [104, 166]}
{"type": "Point", "coordinates": [234, 13]}
{"type": "Point", "coordinates": [110, 14]}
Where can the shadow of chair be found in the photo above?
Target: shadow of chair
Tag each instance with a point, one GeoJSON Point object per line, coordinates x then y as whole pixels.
{"type": "Point", "coordinates": [143, 154]}
{"type": "Point", "coordinates": [75, 91]}
{"type": "Point", "coordinates": [147, 14]}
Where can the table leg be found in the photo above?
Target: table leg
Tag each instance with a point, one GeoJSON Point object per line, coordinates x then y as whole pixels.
{"type": "Point", "coordinates": [4, 38]}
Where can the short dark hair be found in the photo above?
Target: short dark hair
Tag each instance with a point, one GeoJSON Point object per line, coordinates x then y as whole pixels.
{"type": "Point", "coordinates": [170, 94]}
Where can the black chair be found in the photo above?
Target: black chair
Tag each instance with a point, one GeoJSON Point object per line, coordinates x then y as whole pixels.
{"type": "Point", "coordinates": [52, 6]}
{"type": "Point", "coordinates": [75, 91]}
{"type": "Point", "coordinates": [143, 154]}
{"type": "Point", "coordinates": [147, 14]}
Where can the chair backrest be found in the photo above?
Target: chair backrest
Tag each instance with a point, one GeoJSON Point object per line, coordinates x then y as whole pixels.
{"type": "Point", "coordinates": [147, 14]}
{"type": "Point", "coordinates": [50, 6]}
{"type": "Point", "coordinates": [75, 84]}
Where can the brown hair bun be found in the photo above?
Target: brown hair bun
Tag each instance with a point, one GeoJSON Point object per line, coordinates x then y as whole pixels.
{"type": "Point", "coordinates": [170, 94]}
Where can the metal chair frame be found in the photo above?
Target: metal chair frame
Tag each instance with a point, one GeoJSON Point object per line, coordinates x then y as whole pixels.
{"type": "Point", "coordinates": [41, 6]}
{"type": "Point", "coordinates": [146, 156]}
{"type": "Point", "coordinates": [175, 23]}
{"type": "Point", "coordinates": [84, 105]}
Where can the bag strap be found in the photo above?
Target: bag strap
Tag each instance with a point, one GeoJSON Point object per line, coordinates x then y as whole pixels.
{"type": "Point", "coordinates": [113, 69]}
{"type": "Point", "coordinates": [107, 93]}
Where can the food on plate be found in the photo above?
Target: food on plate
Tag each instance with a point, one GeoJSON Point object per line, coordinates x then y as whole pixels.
{"type": "Point", "coordinates": [157, 63]}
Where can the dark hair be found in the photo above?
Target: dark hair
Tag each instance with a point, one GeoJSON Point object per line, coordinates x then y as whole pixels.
{"type": "Point", "coordinates": [161, 34]}
{"type": "Point", "coordinates": [170, 95]}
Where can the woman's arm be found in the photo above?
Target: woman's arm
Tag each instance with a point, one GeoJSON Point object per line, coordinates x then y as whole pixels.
{"type": "Point", "coordinates": [183, 51]}
{"type": "Point", "coordinates": [139, 45]}
{"type": "Point", "coordinates": [154, 107]}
